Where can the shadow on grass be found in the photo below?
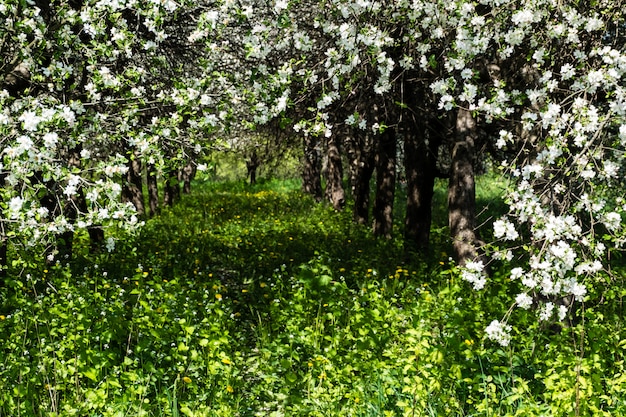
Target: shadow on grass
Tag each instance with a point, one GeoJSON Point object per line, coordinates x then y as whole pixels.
{"type": "Point", "coordinates": [254, 231]}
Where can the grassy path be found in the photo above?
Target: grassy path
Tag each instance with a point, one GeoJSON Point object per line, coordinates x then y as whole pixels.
{"type": "Point", "coordinates": [257, 302]}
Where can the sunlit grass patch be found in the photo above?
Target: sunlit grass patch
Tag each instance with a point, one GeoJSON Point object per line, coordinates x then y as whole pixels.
{"type": "Point", "coordinates": [256, 301]}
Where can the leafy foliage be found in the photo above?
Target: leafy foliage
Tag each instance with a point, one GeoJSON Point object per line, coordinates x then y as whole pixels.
{"type": "Point", "coordinates": [255, 301]}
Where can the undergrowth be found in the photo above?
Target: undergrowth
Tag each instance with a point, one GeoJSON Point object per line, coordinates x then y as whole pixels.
{"type": "Point", "coordinates": [256, 301]}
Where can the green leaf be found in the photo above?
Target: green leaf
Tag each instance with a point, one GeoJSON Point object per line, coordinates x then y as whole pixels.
{"type": "Point", "coordinates": [91, 373]}
{"type": "Point", "coordinates": [324, 280]}
{"type": "Point", "coordinates": [292, 378]}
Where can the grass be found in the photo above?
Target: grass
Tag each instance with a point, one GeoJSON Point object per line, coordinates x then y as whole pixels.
{"type": "Point", "coordinates": [255, 301]}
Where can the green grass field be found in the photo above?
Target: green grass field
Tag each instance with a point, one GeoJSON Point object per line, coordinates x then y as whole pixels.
{"type": "Point", "coordinates": [255, 301]}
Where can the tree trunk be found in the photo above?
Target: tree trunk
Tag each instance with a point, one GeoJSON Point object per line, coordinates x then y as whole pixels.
{"type": "Point", "coordinates": [4, 239]}
{"type": "Point", "coordinates": [361, 159]}
{"type": "Point", "coordinates": [311, 169]}
{"type": "Point", "coordinates": [96, 238]}
{"type": "Point", "coordinates": [252, 164]}
{"type": "Point", "coordinates": [461, 189]}
{"type": "Point", "coordinates": [153, 190]}
{"type": "Point", "coordinates": [71, 208]}
{"type": "Point", "coordinates": [420, 164]}
{"type": "Point", "coordinates": [171, 190]}
{"type": "Point", "coordinates": [4, 262]}
{"type": "Point", "coordinates": [133, 187]}
{"type": "Point", "coordinates": [78, 204]}
{"type": "Point", "coordinates": [334, 174]}
{"type": "Point", "coordinates": [16, 81]}
{"type": "Point", "coordinates": [362, 193]}
{"type": "Point", "coordinates": [385, 183]}
{"type": "Point", "coordinates": [188, 173]}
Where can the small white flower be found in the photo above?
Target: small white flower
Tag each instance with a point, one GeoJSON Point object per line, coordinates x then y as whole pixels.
{"type": "Point", "coordinates": [567, 72]}
{"type": "Point", "coordinates": [70, 190]}
{"type": "Point", "coordinates": [594, 23]}
{"type": "Point", "coordinates": [499, 332]}
{"type": "Point", "coordinates": [577, 289]}
{"type": "Point", "coordinates": [622, 133]}
{"type": "Point", "coordinates": [467, 74]}
{"type": "Point", "coordinates": [504, 229]}
{"type": "Point", "coordinates": [30, 120]}
{"type": "Point", "coordinates": [546, 312]}
{"type": "Point", "coordinates": [612, 221]}
{"type": "Point", "coordinates": [473, 272]}
{"type": "Point", "coordinates": [15, 205]}
{"type": "Point", "coordinates": [588, 174]}
{"type": "Point", "coordinates": [280, 6]}
{"type": "Point", "coordinates": [524, 301]}
{"type": "Point", "coordinates": [522, 17]}
{"type": "Point", "coordinates": [103, 214]}
{"type": "Point", "coordinates": [50, 140]}
{"type": "Point", "coordinates": [611, 169]}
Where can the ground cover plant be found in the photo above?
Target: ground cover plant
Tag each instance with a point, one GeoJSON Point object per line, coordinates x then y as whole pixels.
{"type": "Point", "coordinates": [256, 301]}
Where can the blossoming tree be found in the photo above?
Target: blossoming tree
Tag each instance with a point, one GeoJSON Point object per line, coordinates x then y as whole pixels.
{"type": "Point", "coordinates": [542, 82]}
{"type": "Point", "coordinates": [93, 89]}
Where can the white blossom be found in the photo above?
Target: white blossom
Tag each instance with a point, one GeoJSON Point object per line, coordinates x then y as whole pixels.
{"type": "Point", "coordinates": [280, 5]}
{"type": "Point", "coordinates": [30, 121]}
{"type": "Point", "coordinates": [546, 311]}
{"type": "Point", "coordinates": [473, 272]}
{"type": "Point", "coordinates": [503, 228]}
{"type": "Point", "coordinates": [612, 221]}
{"type": "Point", "coordinates": [567, 72]}
{"type": "Point", "coordinates": [15, 206]}
{"type": "Point", "coordinates": [523, 300]}
{"type": "Point", "coordinates": [499, 332]}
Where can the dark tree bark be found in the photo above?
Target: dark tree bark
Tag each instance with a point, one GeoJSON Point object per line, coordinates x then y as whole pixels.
{"type": "Point", "coordinates": [69, 208]}
{"type": "Point", "coordinates": [385, 183]}
{"type": "Point", "coordinates": [4, 239]}
{"type": "Point", "coordinates": [420, 162]}
{"type": "Point", "coordinates": [17, 80]}
{"type": "Point", "coordinates": [48, 190]}
{"type": "Point", "coordinates": [153, 190]}
{"type": "Point", "coordinates": [171, 190]}
{"type": "Point", "coordinates": [312, 169]}
{"type": "Point", "coordinates": [133, 186]}
{"type": "Point", "coordinates": [188, 173]}
{"type": "Point", "coordinates": [96, 238]}
{"type": "Point", "coordinates": [4, 261]}
{"type": "Point", "coordinates": [362, 191]}
{"type": "Point", "coordinates": [78, 203]}
{"type": "Point", "coordinates": [361, 156]}
{"type": "Point", "coordinates": [252, 164]}
{"type": "Point", "coordinates": [334, 174]}
{"type": "Point", "coordinates": [461, 188]}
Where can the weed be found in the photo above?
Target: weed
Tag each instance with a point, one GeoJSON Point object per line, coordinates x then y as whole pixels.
{"type": "Point", "coordinates": [255, 301]}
